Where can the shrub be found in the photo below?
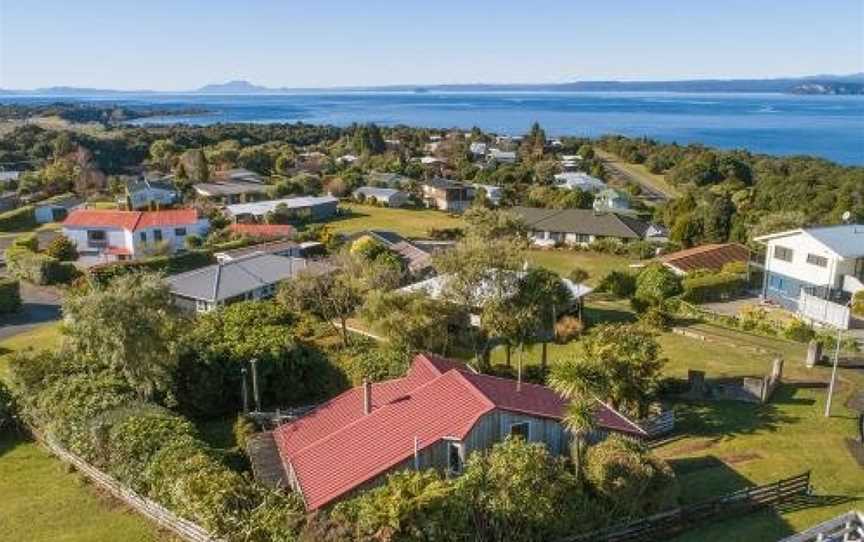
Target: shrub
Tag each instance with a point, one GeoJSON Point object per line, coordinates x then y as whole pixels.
{"type": "Point", "coordinates": [735, 268]}
{"type": "Point", "coordinates": [607, 245]}
{"type": "Point", "coordinates": [712, 287]}
{"type": "Point", "coordinates": [568, 328]}
{"type": "Point", "coordinates": [858, 304]}
{"type": "Point", "coordinates": [655, 319]}
{"type": "Point", "coordinates": [38, 268]}
{"type": "Point", "coordinates": [22, 218]}
{"type": "Point", "coordinates": [178, 263]}
{"type": "Point", "coordinates": [629, 478]}
{"type": "Point", "coordinates": [62, 248]}
{"type": "Point", "coordinates": [446, 234]}
{"type": "Point", "coordinates": [655, 284]}
{"type": "Point", "coordinates": [7, 410]}
{"type": "Point", "coordinates": [28, 241]}
{"type": "Point", "coordinates": [618, 283]}
{"type": "Point", "coordinates": [243, 428]}
{"type": "Point", "coordinates": [578, 275]}
{"type": "Point", "coordinates": [799, 331]}
{"type": "Point", "coordinates": [10, 295]}
{"type": "Point", "coordinates": [641, 250]}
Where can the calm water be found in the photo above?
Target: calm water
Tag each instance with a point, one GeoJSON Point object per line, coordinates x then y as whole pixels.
{"type": "Point", "coordinates": [827, 126]}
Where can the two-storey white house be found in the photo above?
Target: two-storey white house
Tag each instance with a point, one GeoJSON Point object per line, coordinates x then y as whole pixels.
{"type": "Point", "coordinates": [815, 271]}
{"type": "Point", "coordinates": [125, 235]}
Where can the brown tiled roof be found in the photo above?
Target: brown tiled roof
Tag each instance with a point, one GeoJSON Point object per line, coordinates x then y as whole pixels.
{"type": "Point", "coordinates": [712, 257]}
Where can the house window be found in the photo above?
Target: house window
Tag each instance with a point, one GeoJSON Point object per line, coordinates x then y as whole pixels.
{"type": "Point", "coordinates": [454, 457]}
{"type": "Point", "coordinates": [96, 235]}
{"type": "Point", "coordinates": [820, 261]}
{"type": "Point", "coordinates": [143, 236]}
{"type": "Point", "coordinates": [157, 235]}
{"type": "Point", "coordinates": [521, 430]}
{"type": "Point", "coordinates": [783, 253]}
{"type": "Point", "coordinates": [179, 232]}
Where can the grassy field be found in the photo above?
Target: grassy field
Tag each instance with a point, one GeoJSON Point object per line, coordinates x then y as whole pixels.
{"type": "Point", "coordinates": [564, 261]}
{"type": "Point", "coordinates": [408, 222]}
{"type": "Point", "coordinates": [723, 446]}
{"type": "Point", "coordinates": [43, 502]}
{"type": "Point", "coordinates": [640, 173]}
{"type": "Point", "coordinates": [40, 500]}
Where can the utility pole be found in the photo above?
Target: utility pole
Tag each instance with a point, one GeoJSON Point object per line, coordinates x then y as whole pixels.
{"type": "Point", "coordinates": [255, 393]}
{"type": "Point", "coordinates": [244, 391]}
{"type": "Point", "coordinates": [833, 374]}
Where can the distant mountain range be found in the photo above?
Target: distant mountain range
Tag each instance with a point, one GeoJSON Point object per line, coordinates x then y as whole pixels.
{"type": "Point", "coordinates": [817, 84]}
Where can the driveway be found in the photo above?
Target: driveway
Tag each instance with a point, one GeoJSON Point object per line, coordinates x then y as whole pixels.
{"type": "Point", "coordinates": [40, 304]}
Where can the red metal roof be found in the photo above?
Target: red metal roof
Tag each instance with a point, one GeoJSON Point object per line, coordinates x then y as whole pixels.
{"type": "Point", "coordinates": [712, 257]}
{"type": "Point", "coordinates": [130, 220]}
{"type": "Point", "coordinates": [169, 218]}
{"type": "Point", "coordinates": [336, 448]}
{"type": "Point", "coordinates": [95, 218]}
{"type": "Point", "coordinates": [263, 230]}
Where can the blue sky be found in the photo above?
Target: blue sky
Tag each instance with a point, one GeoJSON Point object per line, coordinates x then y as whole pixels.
{"type": "Point", "coordinates": [183, 44]}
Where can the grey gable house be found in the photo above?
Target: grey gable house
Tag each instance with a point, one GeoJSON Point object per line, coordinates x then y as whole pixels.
{"type": "Point", "coordinates": [549, 227]}
{"type": "Point", "coordinates": [251, 277]}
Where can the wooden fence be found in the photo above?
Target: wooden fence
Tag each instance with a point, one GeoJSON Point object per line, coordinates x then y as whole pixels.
{"type": "Point", "coordinates": [659, 425]}
{"type": "Point", "coordinates": [665, 524]}
{"type": "Point", "coordinates": [152, 510]}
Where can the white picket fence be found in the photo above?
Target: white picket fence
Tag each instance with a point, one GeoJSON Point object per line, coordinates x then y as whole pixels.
{"type": "Point", "coordinates": [152, 510]}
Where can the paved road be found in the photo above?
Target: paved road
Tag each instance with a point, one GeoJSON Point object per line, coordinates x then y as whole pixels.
{"type": "Point", "coordinates": [649, 193]}
{"type": "Point", "coordinates": [40, 304]}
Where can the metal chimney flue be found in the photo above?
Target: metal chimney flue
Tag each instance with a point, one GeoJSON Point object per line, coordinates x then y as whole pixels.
{"type": "Point", "coordinates": [367, 397]}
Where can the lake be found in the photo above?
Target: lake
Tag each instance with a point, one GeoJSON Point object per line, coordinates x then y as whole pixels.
{"type": "Point", "coordinates": [828, 126]}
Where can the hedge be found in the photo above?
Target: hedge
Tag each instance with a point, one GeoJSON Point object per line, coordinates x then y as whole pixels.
{"type": "Point", "coordinates": [22, 218]}
{"type": "Point", "coordinates": [10, 295]}
{"type": "Point", "coordinates": [712, 287]}
{"type": "Point", "coordinates": [178, 263]}
{"type": "Point", "coordinates": [38, 268]}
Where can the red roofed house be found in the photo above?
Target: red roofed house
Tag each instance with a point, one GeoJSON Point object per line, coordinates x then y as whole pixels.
{"type": "Point", "coordinates": [705, 257]}
{"type": "Point", "coordinates": [264, 231]}
{"type": "Point", "coordinates": [433, 417]}
{"type": "Point", "coordinates": [125, 235]}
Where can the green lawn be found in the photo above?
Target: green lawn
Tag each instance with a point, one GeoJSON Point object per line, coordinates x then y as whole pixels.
{"type": "Point", "coordinates": [40, 500]}
{"type": "Point", "coordinates": [563, 261]}
{"type": "Point", "coordinates": [408, 222]}
{"type": "Point", "coordinates": [42, 337]}
{"type": "Point", "coordinates": [724, 446]}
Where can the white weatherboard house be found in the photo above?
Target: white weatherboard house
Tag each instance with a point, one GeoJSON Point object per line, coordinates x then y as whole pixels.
{"type": "Point", "coordinates": [124, 235]}
{"type": "Point", "coordinates": [815, 271]}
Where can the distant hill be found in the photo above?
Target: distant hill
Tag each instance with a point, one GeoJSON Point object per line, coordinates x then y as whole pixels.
{"type": "Point", "coordinates": [817, 84]}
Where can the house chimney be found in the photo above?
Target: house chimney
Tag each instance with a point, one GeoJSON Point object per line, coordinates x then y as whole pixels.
{"type": "Point", "coordinates": [367, 397]}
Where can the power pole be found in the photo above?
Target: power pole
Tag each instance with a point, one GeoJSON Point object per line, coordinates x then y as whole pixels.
{"type": "Point", "coordinates": [833, 374]}
{"type": "Point", "coordinates": [255, 394]}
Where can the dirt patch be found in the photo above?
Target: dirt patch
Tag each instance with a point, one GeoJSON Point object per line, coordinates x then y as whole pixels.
{"type": "Point", "coordinates": [735, 459]}
{"type": "Point", "coordinates": [695, 446]}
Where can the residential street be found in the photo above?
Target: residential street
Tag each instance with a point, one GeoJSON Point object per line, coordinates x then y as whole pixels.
{"type": "Point", "coordinates": [40, 304]}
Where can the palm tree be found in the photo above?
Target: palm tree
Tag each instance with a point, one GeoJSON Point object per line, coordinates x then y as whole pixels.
{"type": "Point", "coordinates": [579, 381]}
{"type": "Point", "coordinates": [579, 419]}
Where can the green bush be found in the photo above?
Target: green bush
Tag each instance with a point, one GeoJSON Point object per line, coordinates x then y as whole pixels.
{"type": "Point", "coordinates": [712, 287]}
{"type": "Point", "coordinates": [179, 263]}
{"type": "Point", "coordinates": [243, 428]}
{"type": "Point", "coordinates": [799, 331]}
{"type": "Point", "coordinates": [7, 410]}
{"type": "Point", "coordinates": [655, 319]}
{"type": "Point", "coordinates": [10, 295]}
{"type": "Point", "coordinates": [62, 248]}
{"type": "Point", "coordinates": [22, 218]}
{"type": "Point", "coordinates": [618, 283]}
{"type": "Point", "coordinates": [858, 304]}
{"type": "Point", "coordinates": [655, 284]}
{"type": "Point", "coordinates": [38, 268]}
{"type": "Point", "coordinates": [28, 241]}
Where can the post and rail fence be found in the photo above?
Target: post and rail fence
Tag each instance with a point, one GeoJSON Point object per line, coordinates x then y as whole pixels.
{"type": "Point", "coordinates": [665, 524]}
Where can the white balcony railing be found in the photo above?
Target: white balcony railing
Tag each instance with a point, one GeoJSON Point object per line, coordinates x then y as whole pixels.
{"type": "Point", "coordinates": [823, 311]}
